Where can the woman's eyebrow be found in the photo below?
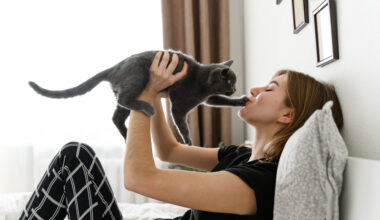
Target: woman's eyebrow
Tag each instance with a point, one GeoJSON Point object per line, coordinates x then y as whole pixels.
{"type": "Point", "coordinates": [275, 82]}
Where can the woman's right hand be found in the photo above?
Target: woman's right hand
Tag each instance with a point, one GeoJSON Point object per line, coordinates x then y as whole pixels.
{"type": "Point", "coordinates": [162, 73]}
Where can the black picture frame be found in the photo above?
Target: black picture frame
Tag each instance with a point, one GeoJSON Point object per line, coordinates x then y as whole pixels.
{"type": "Point", "coordinates": [326, 34]}
{"type": "Point", "coordinates": [300, 14]}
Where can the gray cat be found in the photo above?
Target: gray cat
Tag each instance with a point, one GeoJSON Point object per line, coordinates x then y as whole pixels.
{"type": "Point", "coordinates": [203, 83]}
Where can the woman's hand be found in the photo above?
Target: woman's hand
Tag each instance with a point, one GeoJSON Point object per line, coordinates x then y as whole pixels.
{"type": "Point", "coordinates": [161, 75]}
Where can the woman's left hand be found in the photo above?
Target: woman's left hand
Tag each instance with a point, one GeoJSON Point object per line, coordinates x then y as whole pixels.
{"type": "Point", "coordinates": [161, 74]}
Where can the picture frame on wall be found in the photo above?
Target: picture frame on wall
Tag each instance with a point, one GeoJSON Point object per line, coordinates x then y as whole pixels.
{"type": "Point", "coordinates": [326, 34]}
{"type": "Point", "coordinates": [300, 15]}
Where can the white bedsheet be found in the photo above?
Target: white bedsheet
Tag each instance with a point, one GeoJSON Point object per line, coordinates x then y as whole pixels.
{"type": "Point", "coordinates": [11, 206]}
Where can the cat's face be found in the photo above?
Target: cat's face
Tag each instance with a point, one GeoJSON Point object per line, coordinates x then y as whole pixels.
{"type": "Point", "coordinates": [222, 79]}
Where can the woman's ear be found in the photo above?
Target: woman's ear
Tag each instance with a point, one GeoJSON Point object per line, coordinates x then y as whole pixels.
{"type": "Point", "coordinates": [287, 116]}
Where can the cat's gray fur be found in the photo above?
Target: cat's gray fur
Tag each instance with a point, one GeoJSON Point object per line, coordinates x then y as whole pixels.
{"type": "Point", "coordinates": [208, 84]}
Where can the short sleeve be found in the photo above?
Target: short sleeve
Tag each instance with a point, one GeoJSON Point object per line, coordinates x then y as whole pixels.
{"type": "Point", "coordinates": [262, 179]}
{"type": "Point", "coordinates": [226, 150]}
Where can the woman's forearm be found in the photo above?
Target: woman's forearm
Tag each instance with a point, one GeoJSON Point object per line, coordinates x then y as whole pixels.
{"type": "Point", "coordinates": [138, 160]}
{"type": "Point", "coordinates": [164, 140]}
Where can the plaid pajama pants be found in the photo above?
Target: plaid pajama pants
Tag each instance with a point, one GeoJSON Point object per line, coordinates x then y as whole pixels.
{"type": "Point", "coordinates": [75, 185]}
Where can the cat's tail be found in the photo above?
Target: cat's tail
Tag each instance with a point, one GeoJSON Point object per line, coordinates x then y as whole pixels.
{"type": "Point", "coordinates": [78, 90]}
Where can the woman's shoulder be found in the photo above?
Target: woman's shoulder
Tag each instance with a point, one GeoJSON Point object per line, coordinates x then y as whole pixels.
{"type": "Point", "coordinates": [232, 150]}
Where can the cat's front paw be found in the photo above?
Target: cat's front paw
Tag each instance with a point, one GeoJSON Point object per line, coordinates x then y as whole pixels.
{"type": "Point", "coordinates": [188, 141]}
{"type": "Point", "coordinates": [242, 101]}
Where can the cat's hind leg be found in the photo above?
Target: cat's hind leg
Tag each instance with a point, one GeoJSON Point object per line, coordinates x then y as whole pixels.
{"type": "Point", "coordinates": [125, 101]}
{"type": "Point", "coordinates": [181, 123]}
{"type": "Point", "coordinates": [119, 117]}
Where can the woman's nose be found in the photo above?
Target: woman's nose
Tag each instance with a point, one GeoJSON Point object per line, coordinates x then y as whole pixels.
{"type": "Point", "coordinates": [255, 91]}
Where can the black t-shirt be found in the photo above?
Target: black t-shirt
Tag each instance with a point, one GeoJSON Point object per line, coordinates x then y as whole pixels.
{"type": "Point", "coordinates": [261, 177]}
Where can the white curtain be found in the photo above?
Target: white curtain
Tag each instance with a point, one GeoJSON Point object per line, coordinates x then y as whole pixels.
{"type": "Point", "coordinates": [60, 44]}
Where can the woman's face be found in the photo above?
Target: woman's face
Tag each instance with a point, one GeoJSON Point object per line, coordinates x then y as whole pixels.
{"type": "Point", "coordinates": [266, 104]}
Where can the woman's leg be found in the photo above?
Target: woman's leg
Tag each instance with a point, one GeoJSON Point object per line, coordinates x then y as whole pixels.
{"type": "Point", "coordinates": [74, 184]}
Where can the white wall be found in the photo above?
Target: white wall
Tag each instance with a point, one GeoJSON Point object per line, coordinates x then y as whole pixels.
{"type": "Point", "coordinates": [237, 54]}
{"type": "Point", "coordinates": [271, 45]}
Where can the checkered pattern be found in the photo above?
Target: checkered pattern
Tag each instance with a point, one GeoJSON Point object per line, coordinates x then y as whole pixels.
{"type": "Point", "coordinates": [75, 185]}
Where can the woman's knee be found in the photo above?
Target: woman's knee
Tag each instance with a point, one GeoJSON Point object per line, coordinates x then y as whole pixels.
{"type": "Point", "coordinates": [74, 148]}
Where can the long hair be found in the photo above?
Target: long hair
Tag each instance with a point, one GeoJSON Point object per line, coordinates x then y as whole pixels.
{"type": "Point", "coordinates": [305, 95]}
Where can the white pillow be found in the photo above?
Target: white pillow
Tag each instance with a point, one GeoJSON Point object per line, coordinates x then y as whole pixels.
{"type": "Point", "coordinates": [310, 170]}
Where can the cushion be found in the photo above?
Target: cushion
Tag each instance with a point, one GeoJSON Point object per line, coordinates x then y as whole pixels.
{"type": "Point", "coordinates": [310, 170]}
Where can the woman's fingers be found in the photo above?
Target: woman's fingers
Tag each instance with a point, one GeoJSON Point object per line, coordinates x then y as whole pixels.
{"type": "Point", "coordinates": [164, 62]}
{"type": "Point", "coordinates": [173, 64]}
{"type": "Point", "coordinates": [156, 60]}
{"type": "Point", "coordinates": [181, 74]}
{"type": "Point", "coordinates": [162, 73]}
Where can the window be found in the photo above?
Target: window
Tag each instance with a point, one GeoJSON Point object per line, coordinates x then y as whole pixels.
{"type": "Point", "coordinates": [59, 45]}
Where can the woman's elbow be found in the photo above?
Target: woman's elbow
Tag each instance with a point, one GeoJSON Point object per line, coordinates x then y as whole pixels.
{"type": "Point", "coordinates": [136, 179]}
{"type": "Point", "coordinates": [131, 179]}
{"type": "Point", "coordinates": [128, 182]}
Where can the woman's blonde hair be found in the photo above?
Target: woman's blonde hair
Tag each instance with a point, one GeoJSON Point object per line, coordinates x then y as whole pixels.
{"type": "Point", "coordinates": [305, 95]}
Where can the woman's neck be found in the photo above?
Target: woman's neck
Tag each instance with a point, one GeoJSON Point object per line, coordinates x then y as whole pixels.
{"type": "Point", "coordinates": [262, 138]}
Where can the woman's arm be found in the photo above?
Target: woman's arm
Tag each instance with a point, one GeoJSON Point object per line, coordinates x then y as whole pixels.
{"type": "Point", "coordinates": [163, 138]}
{"type": "Point", "coordinates": [168, 149]}
{"type": "Point", "coordinates": [215, 192]}
{"type": "Point", "coordinates": [138, 154]}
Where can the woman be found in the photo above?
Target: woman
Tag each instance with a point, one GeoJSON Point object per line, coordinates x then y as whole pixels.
{"type": "Point", "coordinates": [241, 183]}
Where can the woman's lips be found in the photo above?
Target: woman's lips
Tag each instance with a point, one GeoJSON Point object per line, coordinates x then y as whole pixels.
{"type": "Point", "coordinates": [250, 100]}
{"type": "Point", "coordinates": [247, 102]}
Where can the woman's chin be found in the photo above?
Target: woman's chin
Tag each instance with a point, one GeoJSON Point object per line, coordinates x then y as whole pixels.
{"type": "Point", "coordinates": [240, 114]}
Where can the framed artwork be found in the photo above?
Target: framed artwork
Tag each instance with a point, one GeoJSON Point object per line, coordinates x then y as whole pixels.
{"type": "Point", "coordinates": [278, 2]}
{"type": "Point", "coordinates": [326, 35]}
{"type": "Point", "coordinates": [300, 15]}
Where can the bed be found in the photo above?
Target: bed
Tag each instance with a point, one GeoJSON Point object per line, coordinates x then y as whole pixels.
{"type": "Point", "coordinates": [360, 198]}
{"type": "Point", "coordinates": [11, 206]}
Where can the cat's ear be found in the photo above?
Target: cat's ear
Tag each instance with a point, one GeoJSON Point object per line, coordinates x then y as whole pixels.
{"type": "Point", "coordinates": [227, 63]}
{"type": "Point", "coordinates": [217, 74]}
{"type": "Point", "coordinates": [223, 74]}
